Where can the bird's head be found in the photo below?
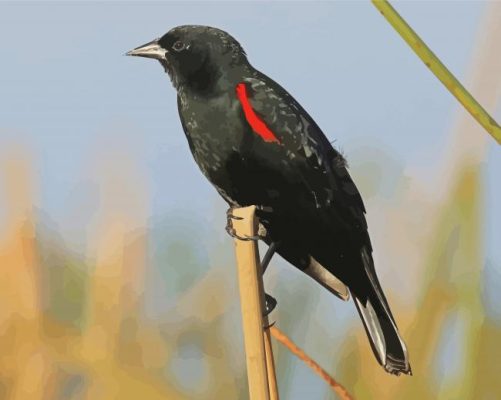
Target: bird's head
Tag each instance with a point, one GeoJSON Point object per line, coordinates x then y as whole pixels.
{"type": "Point", "coordinates": [197, 58]}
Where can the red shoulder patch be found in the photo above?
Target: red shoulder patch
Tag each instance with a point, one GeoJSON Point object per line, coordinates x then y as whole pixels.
{"type": "Point", "coordinates": [256, 123]}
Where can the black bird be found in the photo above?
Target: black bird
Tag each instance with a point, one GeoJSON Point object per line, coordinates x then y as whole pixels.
{"type": "Point", "coordinates": [256, 144]}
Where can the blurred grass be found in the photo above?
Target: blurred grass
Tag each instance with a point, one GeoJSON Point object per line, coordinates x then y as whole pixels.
{"type": "Point", "coordinates": [75, 326]}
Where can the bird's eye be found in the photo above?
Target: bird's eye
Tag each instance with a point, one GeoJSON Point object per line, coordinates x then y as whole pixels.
{"type": "Point", "coordinates": [178, 46]}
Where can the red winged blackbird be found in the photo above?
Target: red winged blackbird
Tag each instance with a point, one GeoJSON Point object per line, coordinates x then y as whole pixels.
{"type": "Point", "coordinates": [258, 146]}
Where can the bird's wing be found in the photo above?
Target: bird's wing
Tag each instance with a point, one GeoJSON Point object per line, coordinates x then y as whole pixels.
{"type": "Point", "coordinates": [308, 153]}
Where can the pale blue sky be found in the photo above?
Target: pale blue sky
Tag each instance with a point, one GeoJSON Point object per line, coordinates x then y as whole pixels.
{"type": "Point", "coordinates": [65, 82]}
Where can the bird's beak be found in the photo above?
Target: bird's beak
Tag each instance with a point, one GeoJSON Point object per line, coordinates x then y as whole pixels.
{"type": "Point", "coordinates": [149, 50]}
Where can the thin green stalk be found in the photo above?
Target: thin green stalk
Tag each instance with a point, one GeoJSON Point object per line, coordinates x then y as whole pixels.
{"type": "Point", "coordinates": [439, 69]}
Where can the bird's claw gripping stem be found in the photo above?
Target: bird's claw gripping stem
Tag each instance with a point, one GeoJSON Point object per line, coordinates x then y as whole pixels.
{"type": "Point", "coordinates": [269, 325]}
{"type": "Point", "coordinates": [270, 304]}
{"type": "Point", "coordinates": [232, 232]}
{"type": "Point", "coordinates": [230, 216]}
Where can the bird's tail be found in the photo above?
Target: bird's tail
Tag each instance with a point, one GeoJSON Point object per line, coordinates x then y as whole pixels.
{"type": "Point", "coordinates": [388, 346]}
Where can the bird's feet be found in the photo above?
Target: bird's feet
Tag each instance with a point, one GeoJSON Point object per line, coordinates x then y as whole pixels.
{"type": "Point", "coordinates": [232, 232]}
{"type": "Point", "coordinates": [270, 304]}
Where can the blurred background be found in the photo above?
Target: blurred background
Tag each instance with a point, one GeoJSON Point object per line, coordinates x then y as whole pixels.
{"type": "Point", "coordinates": [118, 280]}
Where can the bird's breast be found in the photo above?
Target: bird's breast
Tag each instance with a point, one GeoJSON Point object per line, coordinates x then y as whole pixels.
{"type": "Point", "coordinates": [228, 153]}
{"type": "Point", "coordinates": [214, 131]}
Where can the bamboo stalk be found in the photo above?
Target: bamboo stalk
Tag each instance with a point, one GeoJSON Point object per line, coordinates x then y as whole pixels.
{"type": "Point", "coordinates": [439, 69]}
{"type": "Point", "coordinates": [270, 364]}
{"type": "Point", "coordinates": [252, 304]}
